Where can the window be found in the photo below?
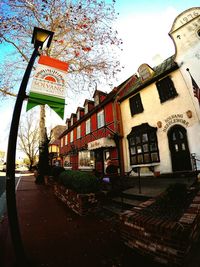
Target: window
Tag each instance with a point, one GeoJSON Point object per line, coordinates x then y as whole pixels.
{"type": "Point", "coordinates": [66, 141]}
{"type": "Point", "coordinates": [100, 119]}
{"type": "Point", "coordinates": [71, 136]}
{"type": "Point", "coordinates": [67, 163]}
{"type": "Point", "coordinates": [198, 33]}
{"type": "Point", "coordinates": [143, 145]}
{"type": "Point", "coordinates": [87, 130]}
{"type": "Point", "coordinates": [78, 132]}
{"type": "Point", "coordinates": [166, 89]}
{"type": "Point", "coordinates": [78, 115]}
{"type": "Point", "coordinates": [96, 100]}
{"type": "Point", "coordinates": [61, 142]}
{"type": "Point", "coordinates": [145, 72]}
{"type": "Point", "coordinates": [86, 108]}
{"type": "Point", "coordinates": [136, 104]}
{"type": "Point", "coordinates": [86, 159]}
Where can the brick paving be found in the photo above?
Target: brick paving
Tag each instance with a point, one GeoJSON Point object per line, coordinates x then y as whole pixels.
{"type": "Point", "coordinates": [54, 236]}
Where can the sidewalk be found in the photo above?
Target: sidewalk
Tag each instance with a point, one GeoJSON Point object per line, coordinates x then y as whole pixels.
{"type": "Point", "coordinates": [54, 236]}
{"type": "Point", "coordinates": [153, 186]}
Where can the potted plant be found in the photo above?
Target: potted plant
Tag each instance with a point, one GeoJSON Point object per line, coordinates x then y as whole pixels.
{"type": "Point", "coordinates": [79, 190]}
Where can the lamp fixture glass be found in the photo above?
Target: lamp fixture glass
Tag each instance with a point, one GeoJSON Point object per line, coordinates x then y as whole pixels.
{"type": "Point", "coordinates": [41, 38]}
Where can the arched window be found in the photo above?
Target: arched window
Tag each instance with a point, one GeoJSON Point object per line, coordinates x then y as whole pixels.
{"type": "Point", "coordinates": [198, 33]}
{"type": "Point", "coordinates": [143, 145]}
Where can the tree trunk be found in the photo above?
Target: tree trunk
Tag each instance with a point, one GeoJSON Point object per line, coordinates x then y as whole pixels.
{"type": "Point", "coordinates": [43, 164]}
{"type": "Point", "coordinates": [42, 125]}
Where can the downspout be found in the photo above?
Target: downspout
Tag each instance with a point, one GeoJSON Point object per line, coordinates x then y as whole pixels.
{"type": "Point", "coordinates": [118, 129]}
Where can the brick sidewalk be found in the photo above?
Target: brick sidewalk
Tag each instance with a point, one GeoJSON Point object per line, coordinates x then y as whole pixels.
{"type": "Point", "coordinates": [54, 236]}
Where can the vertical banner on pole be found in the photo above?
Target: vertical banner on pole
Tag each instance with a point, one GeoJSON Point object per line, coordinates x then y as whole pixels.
{"type": "Point", "coordinates": [49, 85]}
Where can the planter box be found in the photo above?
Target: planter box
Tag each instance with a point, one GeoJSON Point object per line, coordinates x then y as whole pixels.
{"type": "Point", "coordinates": [82, 204]}
{"type": "Point", "coordinates": [166, 241]}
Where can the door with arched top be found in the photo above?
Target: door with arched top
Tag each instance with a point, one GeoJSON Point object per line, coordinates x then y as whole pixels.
{"type": "Point", "coordinates": [178, 145]}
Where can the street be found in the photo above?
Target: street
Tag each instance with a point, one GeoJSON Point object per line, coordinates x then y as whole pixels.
{"type": "Point", "coordinates": [3, 189]}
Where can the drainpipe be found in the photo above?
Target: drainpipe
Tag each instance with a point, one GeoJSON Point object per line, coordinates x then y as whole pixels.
{"type": "Point", "coordinates": [118, 129]}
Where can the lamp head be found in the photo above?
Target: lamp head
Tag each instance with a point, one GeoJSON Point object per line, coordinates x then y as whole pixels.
{"type": "Point", "coordinates": [41, 38]}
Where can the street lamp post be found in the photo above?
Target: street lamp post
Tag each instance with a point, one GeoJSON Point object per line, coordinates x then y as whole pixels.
{"type": "Point", "coordinates": [40, 39]}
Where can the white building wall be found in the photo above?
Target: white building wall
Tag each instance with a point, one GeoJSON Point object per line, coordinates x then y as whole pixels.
{"type": "Point", "coordinates": [185, 34]}
{"type": "Point", "coordinates": [155, 112]}
{"type": "Point", "coordinates": [186, 38]}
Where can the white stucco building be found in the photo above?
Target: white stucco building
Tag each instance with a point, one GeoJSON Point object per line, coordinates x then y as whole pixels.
{"type": "Point", "coordinates": [160, 112]}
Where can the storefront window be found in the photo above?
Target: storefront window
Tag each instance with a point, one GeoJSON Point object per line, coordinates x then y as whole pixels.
{"type": "Point", "coordinates": [143, 146]}
{"type": "Point", "coordinates": [67, 163]}
{"type": "Point", "coordinates": [86, 159]}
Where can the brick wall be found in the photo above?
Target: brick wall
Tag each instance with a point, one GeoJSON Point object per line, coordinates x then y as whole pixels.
{"type": "Point", "coordinates": [82, 204]}
{"type": "Point", "coordinates": [165, 241]}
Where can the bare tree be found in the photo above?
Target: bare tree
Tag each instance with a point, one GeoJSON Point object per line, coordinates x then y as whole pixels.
{"type": "Point", "coordinates": [28, 135]}
{"type": "Point", "coordinates": [83, 37]}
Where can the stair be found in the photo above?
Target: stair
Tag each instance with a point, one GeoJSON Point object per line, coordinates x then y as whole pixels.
{"type": "Point", "coordinates": [117, 204]}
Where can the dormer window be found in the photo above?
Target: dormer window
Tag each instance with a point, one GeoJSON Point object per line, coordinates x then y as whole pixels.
{"type": "Point", "coordinates": [145, 72]}
{"type": "Point", "coordinates": [86, 108]}
{"type": "Point", "coordinates": [96, 100]}
{"type": "Point", "coordinates": [78, 115]}
{"type": "Point", "coordinates": [72, 121]}
{"type": "Point", "coordinates": [198, 33]}
{"type": "Point", "coordinates": [67, 123]}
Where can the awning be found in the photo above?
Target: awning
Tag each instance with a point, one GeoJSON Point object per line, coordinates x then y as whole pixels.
{"type": "Point", "coordinates": [101, 143]}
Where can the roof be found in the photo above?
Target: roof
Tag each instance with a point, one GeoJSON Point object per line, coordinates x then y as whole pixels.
{"type": "Point", "coordinates": [160, 71]}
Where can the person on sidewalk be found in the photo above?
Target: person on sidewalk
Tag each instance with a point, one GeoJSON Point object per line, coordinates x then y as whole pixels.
{"type": "Point", "coordinates": [111, 174]}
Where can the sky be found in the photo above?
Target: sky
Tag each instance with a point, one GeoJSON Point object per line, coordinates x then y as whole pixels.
{"type": "Point", "coordinates": [143, 26]}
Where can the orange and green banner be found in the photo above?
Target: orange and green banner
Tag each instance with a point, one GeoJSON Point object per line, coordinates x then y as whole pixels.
{"type": "Point", "coordinates": [49, 85]}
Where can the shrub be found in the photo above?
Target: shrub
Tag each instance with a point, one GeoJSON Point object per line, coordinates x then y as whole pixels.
{"type": "Point", "coordinates": [79, 181]}
{"type": "Point", "coordinates": [56, 171]}
{"type": "Point", "coordinates": [172, 203]}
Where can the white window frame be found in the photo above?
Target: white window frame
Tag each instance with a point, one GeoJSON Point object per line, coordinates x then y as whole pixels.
{"type": "Point", "coordinates": [87, 126]}
{"type": "Point", "coordinates": [86, 108]}
{"type": "Point", "coordinates": [96, 100]}
{"type": "Point", "coordinates": [86, 159]}
{"type": "Point", "coordinates": [66, 141]}
{"type": "Point", "coordinates": [100, 119]}
{"type": "Point", "coordinates": [71, 136]}
{"type": "Point", "coordinates": [78, 131]}
{"type": "Point", "coordinates": [61, 142]}
{"type": "Point", "coordinates": [78, 115]}
{"type": "Point", "coordinates": [67, 164]}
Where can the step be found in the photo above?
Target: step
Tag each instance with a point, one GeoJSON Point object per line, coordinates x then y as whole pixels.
{"type": "Point", "coordinates": [114, 209]}
{"type": "Point", "coordinates": [135, 196]}
{"type": "Point", "coordinates": [130, 203]}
